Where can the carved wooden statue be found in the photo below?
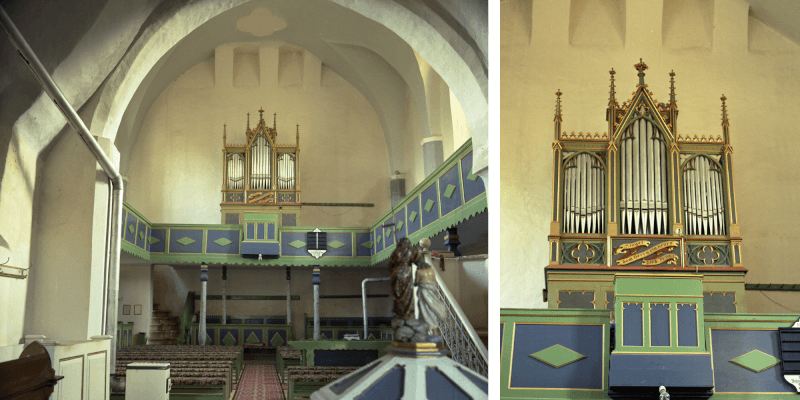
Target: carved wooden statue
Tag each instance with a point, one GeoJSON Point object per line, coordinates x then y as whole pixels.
{"type": "Point", "coordinates": [431, 309]}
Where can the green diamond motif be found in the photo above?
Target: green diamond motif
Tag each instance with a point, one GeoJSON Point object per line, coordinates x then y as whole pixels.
{"type": "Point", "coordinates": [756, 361]}
{"type": "Point", "coordinates": [253, 339]}
{"type": "Point", "coordinates": [449, 191]}
{"type": "Point", "coordinates": [371, 337]}
{"type": "Point", "coordinates": [368, 244]}
{"type": "Point", "coordinates": [336, 244]}
{"type": "Point", "coordinates": [131, 228]}
{"type": "Point", "coordinates": [228, 340]}
{"type": "Point", "coordinates": [223, 242]}
{"type": "Point", "coordinates": [141, 235]}
{"type": "Point", "coordinates": [472, 177]}
{"type": "Point", "coordinates": [400, 225]}
{"type": "Point", "coordinates": [277, 340]}
{"type": "Point", "coordinates": [323, 337]}
{"type": "Point", "coordinates": [185, 241]}
{"type": "Point", "coordinates": [388, 233]}
{"type": "Point", "coordinates": [557, 356]}
{"type": "Point", "coordinates": [153, 240]}
{"type": "Point", "coordinates": [413, 216]}
{"type": "Point", "coordinates": [297, 244]}
{"type": "Point", "coordinates": [208, 339]}
{"type": "Point", "coordinates": [379, 238]}
{"type": "Point", "coordinates": [429, 205]}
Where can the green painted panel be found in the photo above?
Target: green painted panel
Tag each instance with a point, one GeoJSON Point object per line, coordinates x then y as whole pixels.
{"type": "Point", "coordinates": [448, 192]}
{"type": "Point", "coordinates": [185, 241]}
{"type": "Point", "coordinates": [557, 356]}
{"type": "Point", "coordinates": [429, 205]}
{"type": "Point", "coordinates": [260, 217]}
{"type": "Point", "coordinates": [297, 244]}
{"type": "Point", "coordinates": [413, 216]}
{"type": "Point", "coordinates": [336, 244]}
{"type": "Point", "coordinates": [756, 361]}
{"type": "Point", "coordinates": [223, 241]}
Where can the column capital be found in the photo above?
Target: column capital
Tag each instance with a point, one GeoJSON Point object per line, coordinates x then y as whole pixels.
{"type": "Point", "coordinates": [315, 280]}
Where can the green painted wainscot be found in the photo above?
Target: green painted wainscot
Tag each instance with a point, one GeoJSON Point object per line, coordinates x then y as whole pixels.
{"type": "Point", "coordinates": [660, 336]}
{"type": "Point", "coordinates": [450, 195]}
{"type": "Point", "coordinates": [268, 335]}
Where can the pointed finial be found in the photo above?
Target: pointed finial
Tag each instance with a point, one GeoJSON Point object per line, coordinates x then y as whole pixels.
{"type": "Point", "coordinates": [724, 110]}
{"type": "Point", "coordinates": [612, 99]}
{"type": "Point", "coordinates": [274, 120]}
{"type": "Point", "coordinates": [248, 121]}
{"type": "Point", "coordinates": [297, 136]}
{"type": "Point", "coordinates": [641, 67]}
{"type": "Point", "coordinates": [558, 104]}
{"type": "Point", "coordinates": [224, 133]}
{"type": "Point", "coordinates": [261, 113]}
{"type": "Point", "coordinates": [672, 101]}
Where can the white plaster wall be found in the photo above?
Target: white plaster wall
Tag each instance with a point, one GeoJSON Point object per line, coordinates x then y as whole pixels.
{"type": "Point", "coordinates": [176, 168]}
{"type": "Point", "coordinates": [752, 65]}
{"type": "Point", "coordinates": [136, 287]}
{"type": "Point", "coordinates": [272, 282]}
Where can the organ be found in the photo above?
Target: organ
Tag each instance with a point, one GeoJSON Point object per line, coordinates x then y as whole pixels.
{"type": "Point", "coordinates": [642, 198]}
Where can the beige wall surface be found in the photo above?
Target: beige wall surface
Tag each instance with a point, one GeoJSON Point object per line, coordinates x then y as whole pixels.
{"type": "Point", "coordinates": [715, 48]}
{"type": "Point", "coordinates": [136, 288]}
{"type": "Point", "coordinates": [176, 169]}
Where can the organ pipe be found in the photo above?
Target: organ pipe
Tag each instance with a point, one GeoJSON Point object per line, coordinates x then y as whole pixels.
{"type": "Point", "coordinates": [260, 155]}
{"type": "Point", "coordinates": [235, 172]}
{"type": "Point", "coordinates": [584, 194]}
{"type": "Point", "coordinates": [704, 208]}
{"type": "Point", "coordinates": [643, 205]}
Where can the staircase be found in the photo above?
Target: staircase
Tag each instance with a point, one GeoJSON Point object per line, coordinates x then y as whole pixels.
{"type": "Point", "coordinates": [164, 328]}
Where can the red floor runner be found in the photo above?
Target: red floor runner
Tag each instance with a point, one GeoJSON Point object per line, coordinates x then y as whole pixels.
{"type": "Point", "coordinates": [259, 382]}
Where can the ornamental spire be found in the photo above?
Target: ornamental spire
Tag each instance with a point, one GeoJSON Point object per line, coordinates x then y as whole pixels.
{"type": "Point", "coordinates": [672, 101]}
{"type": "Point", "coordinates": [725, 123]}
{"type": "Point", "coordinates": [261, 114]}
{"type": "Point", "coordinates": [248, 122]}
{"type": "Point", "coordinates": [274, 121]}
{"type": "Point", "coordinates": [557, 118]}
{"type": "Point", "coordinates": [224, 134]}
{"type": "Point", "coordinates": [641, 67]}
{"type": "Point", "coordinates": [612, 100]}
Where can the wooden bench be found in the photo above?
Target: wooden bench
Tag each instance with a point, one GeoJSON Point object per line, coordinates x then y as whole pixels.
{"type": "Point", "coordinates": [177, 353]}
{"type": "Point", "coordinates": [287, 356]}
{"type": "Point", "coordinates": [306, 380]}
{"type": "Point", "coordinates": [194, 382]}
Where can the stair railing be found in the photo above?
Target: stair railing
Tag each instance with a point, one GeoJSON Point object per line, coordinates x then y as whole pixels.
{"type": "Point", "coordinates": [460, 337]}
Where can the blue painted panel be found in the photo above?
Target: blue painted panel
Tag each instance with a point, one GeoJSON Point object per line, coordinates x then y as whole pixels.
{"type": "Point", "coordinates": [344, 251]}
{"type": "Point", "coordinates": [362, 251]}
{"type": "Point", "coordinates": [265, 249]}
{"type": "Point", "coordinates": [729, 377]}
{"type": "Point", "coordinates": [376, 334]}
{"type": "Point", "coordinates": [450, 178]}
{"type": "Point", "coordinates": [210, 333]}
{"type": "Point", "coordinates": [398, 217]}
{"type": "Point", "coordinates": [631, 325]}
{"type": "Point", "coordinates": [378, 233]}
{"type": "Point", "coordinates": [271, 335]}
{"type": "Point", "coordinates": [234, 332]}
{"type": "Point", "coordinates": [388, 236]}
{"type": "Point", "coordinates": [390, 386]}
{"type": "Point", "coordinates": [289, 237]}
{"type": "Point", "coordinates": [653, 370]}
{"type": "Point", "coordinates": [251, 231]}
{"type": "Point", "coordinates": [528, 372]}
{"type": "Point", "coordinates": [231, 248]}
{"type": "Point", "coordinates": [147, 234]}
{"type": "Point", "coordinates": [471, 188]}
{"type": "Point", "coordinates": [271, 231]}
{"type": "Point", "coordinates": [140, 239]}
{"type": "Point", "coordinates": [258, 333]}
{"type": "Point", "coordinates": [260, 231]}
{"type": "Point", "coordinates": [195, 247]}
{"type": "Point", "coordinates": [328, 333]}
{"type": "Point", "coordinates": [374, 245]}
{"type": "Point", "coordinates": [438, 386]}
{"type": "Point", "coordinates": [159, 246]}
{"type": "Point", "coordinates": [345, 358]}
{"type": "Point", "coordinates": [659, 325]}
{"type": "Point", "coordinates": [433, 214]}
{"type": "Point", "coordinates": [130, 220]}
{"type": "Point", "coordinates": [687, 325]}
{"type": "Point", "coordinates": [412, 208]}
